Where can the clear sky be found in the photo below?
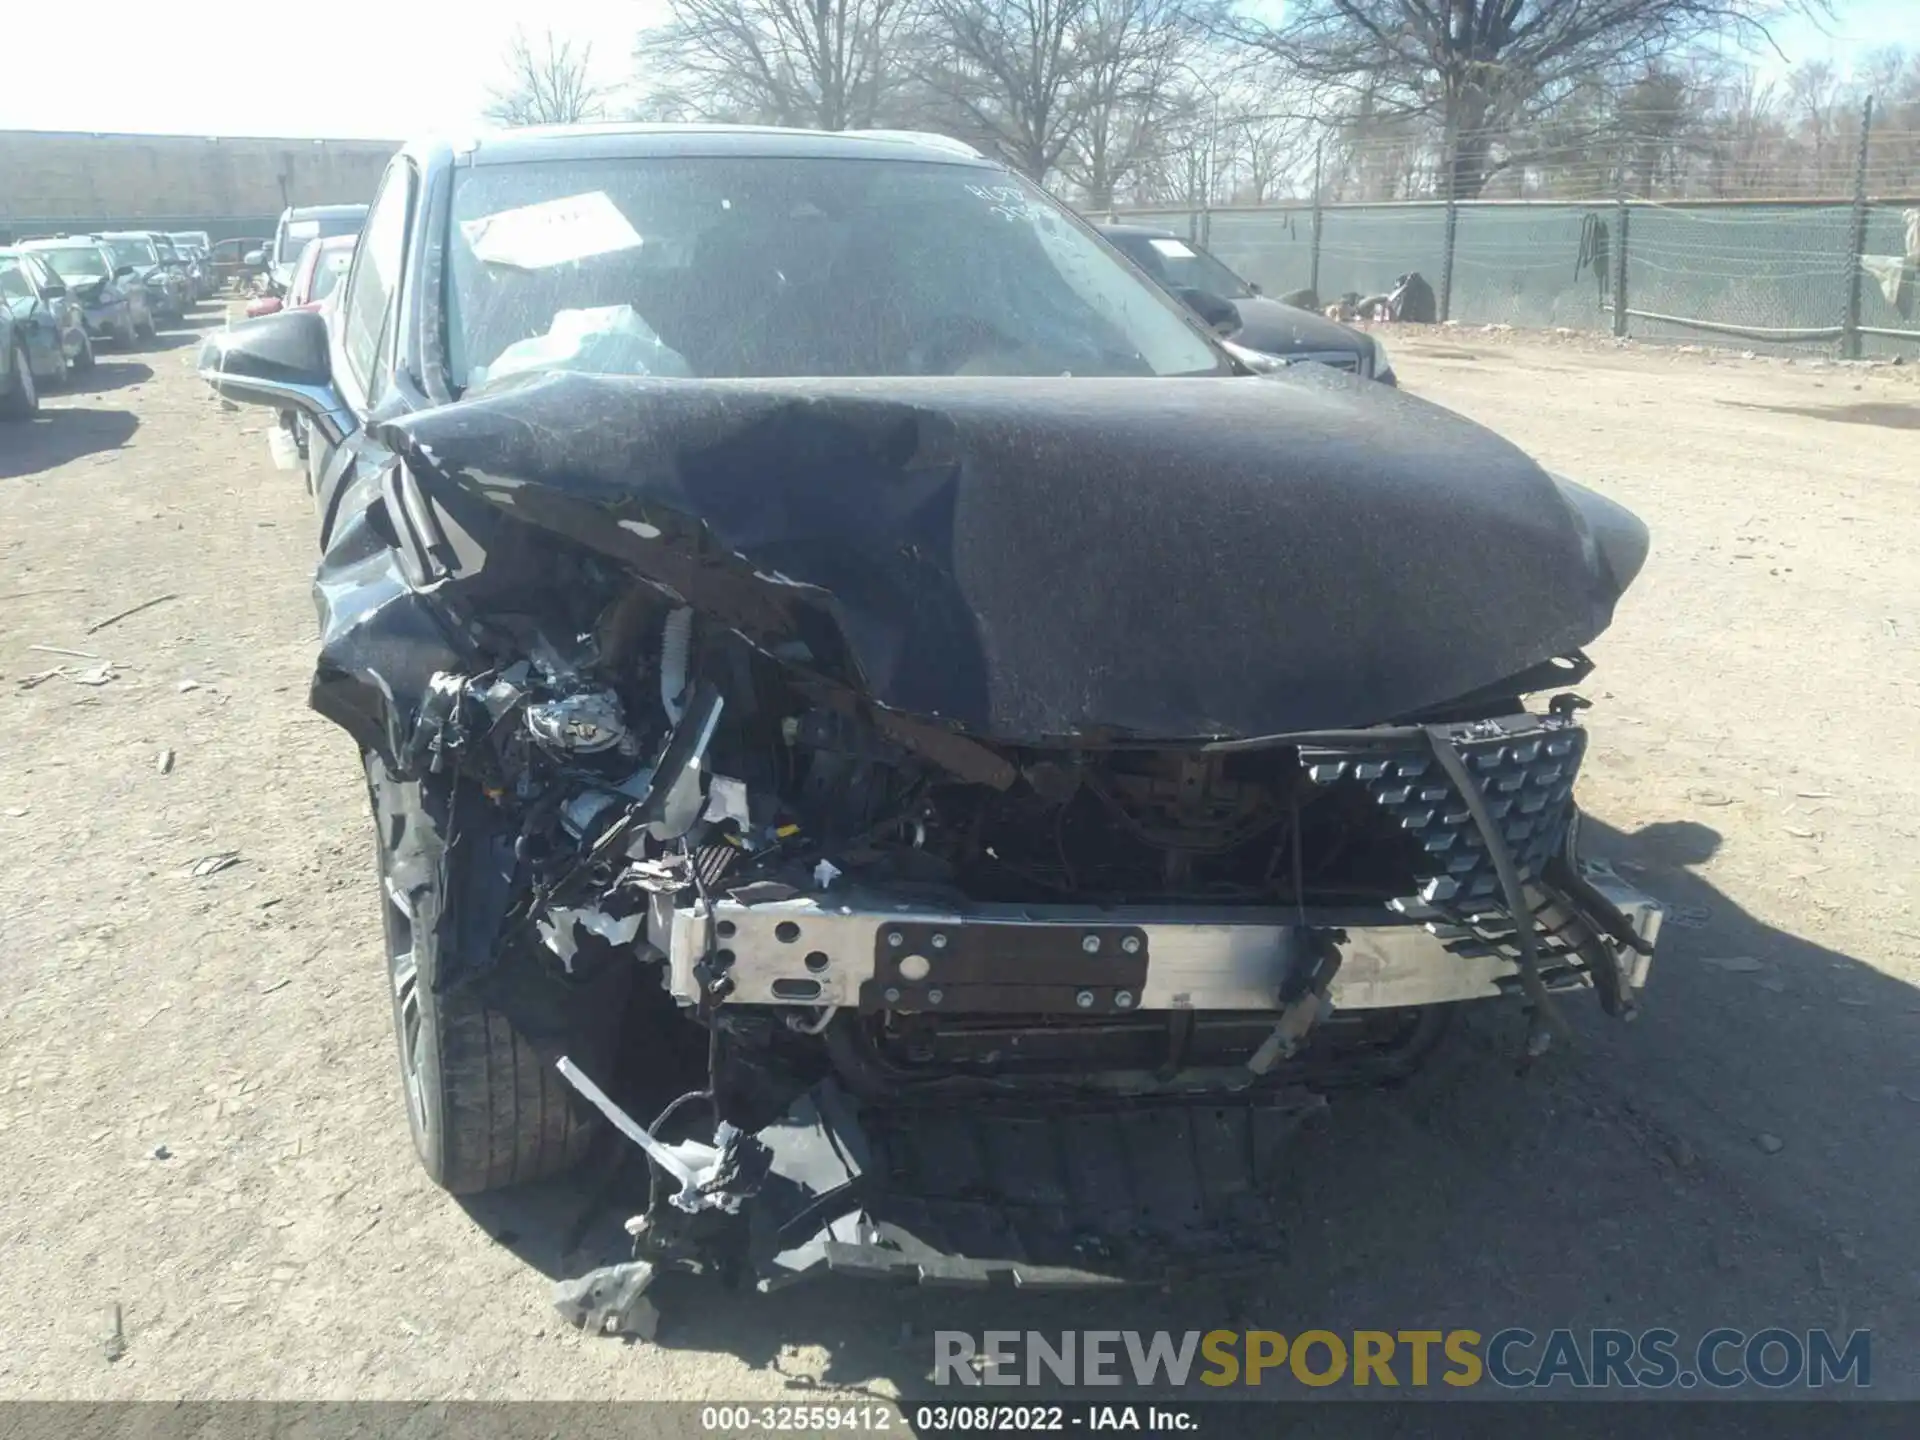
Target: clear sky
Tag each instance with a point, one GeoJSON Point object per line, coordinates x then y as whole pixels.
{"type": "Point", "coordinates": [388, 69]}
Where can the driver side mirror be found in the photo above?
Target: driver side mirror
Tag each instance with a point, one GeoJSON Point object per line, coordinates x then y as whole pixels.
{"type": "Point", "coordinates": [1255, 288]}
{"type": "Point", "coordinates": [121, 272]}
{"type": "Point", "coordinates": [1216, 311]}
{"type": "Point", "coordinates": [254, 259]}
{"type": "Point", "coordinates": [56, 289]}
{"type": "Point", "coordinates": [281, 361]}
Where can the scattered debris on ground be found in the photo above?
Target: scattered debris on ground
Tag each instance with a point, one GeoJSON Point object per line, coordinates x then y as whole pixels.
{"type": "Point", "coordinates": [120, 615]}
{"type": "Point", "coordinates": [115, 1345]}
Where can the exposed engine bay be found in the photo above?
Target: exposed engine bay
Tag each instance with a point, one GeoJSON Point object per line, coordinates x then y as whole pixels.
{"type": "Point", "coordinates": [955, 980]}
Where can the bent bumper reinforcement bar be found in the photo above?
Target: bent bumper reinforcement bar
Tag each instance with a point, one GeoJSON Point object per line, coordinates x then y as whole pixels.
{"type": "Point", "coordinates": [866, 951]}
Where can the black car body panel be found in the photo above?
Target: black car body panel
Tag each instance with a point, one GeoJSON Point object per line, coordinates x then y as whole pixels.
{"type": "Point", "coordinates": [1220, 558]}
{"type": "Point", "coordinates": [1278, 329]}
{"type": "Point", "coordinates": [1025, 793]}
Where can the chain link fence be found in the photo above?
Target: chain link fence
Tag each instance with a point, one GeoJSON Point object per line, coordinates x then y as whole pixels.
{"type": "Point", "coordinates": [1839, 274]}
{"type": "Point", "coordinates": [1774, 276]}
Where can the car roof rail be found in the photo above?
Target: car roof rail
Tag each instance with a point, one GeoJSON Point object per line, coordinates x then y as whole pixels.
{"type": "Point", "coordinates": [932, 139]}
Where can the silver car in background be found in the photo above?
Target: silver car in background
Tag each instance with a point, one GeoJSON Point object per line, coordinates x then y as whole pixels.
{"type": "Point", "coordinates": [46, 315]}
{"type": "Point", "coordinates": [165, 286]}
{"type": "Point", "coordinates": [113, 301]}
{"type": "Point", "coordinates": [195, 249]}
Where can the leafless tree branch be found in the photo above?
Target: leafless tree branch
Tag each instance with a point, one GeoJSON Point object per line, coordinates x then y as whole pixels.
{"type": "Point", "coordinates": [547, 84]}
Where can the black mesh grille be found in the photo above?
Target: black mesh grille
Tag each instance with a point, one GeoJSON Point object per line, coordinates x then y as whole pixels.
{"type": "Point", "coordinates": [1525, 766]}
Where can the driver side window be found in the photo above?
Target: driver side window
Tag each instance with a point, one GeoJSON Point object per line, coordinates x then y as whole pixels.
{"type": "Point", "coordinates": [368, 302]}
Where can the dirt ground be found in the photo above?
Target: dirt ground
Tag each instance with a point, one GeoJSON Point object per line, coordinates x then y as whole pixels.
{"type": "Point", "coordinates": [200, 1119]}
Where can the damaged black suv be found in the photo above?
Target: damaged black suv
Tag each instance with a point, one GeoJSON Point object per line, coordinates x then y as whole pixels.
{"type": "Point", "coordinates": [827, 638]}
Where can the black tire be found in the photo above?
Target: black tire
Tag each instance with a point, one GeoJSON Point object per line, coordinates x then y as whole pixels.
{"type": "Point", "coordinates": [85, 362]}
{"type": "Point", "coordinates": [22, 398]}
{"type": "Point", "coordinates": [148, 330]}
{"type": "Point", "coordinates": [485, 1105]}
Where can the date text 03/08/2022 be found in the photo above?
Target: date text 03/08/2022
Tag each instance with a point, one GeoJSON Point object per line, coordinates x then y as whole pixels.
{"type": "Point", "coordinates": [949, 1419]}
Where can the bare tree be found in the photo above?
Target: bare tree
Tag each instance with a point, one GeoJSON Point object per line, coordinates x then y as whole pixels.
{"type": "Point", "coordinates": [1745, 135]}
{"type": "Point", "coordinates": [1473, 71]}
{"type": "Point", "coordinates": [1656, 119]}
{"type": "Point", "coordinates": [1813, 97]}
{"type": "Point", "coordinates": [547, 84]}
{"type": "Point", "coordinates": [1267, 151]}
{"type": "Point", "coordinates": [824, 64]}
{"type": "Point", "coordinates": [1009, 69]}
{"type": "Point", "coordinates": [1128, 54]}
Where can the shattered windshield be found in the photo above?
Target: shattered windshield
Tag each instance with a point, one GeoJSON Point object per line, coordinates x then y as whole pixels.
{"type": "Point", "coordinates": [737, 267]}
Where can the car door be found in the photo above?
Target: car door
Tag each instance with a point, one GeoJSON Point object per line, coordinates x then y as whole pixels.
{"type": "Point", "coordinates": [33, 320]}
{"type": "Point", "coordinates": [346, 477]}
{"type": "Point", "coordinates": [58, 299]}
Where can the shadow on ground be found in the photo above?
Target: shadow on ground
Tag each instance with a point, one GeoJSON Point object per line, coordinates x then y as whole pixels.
{"type": "Point", "coordinates": [108, 374]}
{"type": "Point", "coordinates": [60, 434]}
{"type": "Point", "coordinates": [1886, 414]}
{"type": "Point", "coordinates": [1633, 1180]}
{"type": "Point", "coordinates": [180, 333]}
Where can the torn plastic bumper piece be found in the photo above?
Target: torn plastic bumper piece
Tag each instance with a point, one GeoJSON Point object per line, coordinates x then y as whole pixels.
{"type": "Point", "coordinates": [610, 1301]}
{"type": "Point", "coordinates": [1062, 1197]}
{"type": "Point", "coordinates": [1065, 1196]}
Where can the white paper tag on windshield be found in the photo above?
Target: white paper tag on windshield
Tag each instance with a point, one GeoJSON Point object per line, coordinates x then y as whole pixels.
{"type": "Point", "coordinates": [1173, 249]}
{"type": "Point", "coordinates": [554, 232]}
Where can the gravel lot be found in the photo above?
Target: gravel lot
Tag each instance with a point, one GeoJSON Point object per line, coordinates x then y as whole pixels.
{"type": "Point", "coordinates": [200, 1118]}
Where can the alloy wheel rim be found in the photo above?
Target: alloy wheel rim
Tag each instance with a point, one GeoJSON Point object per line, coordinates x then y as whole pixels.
{"type": "Point", "coordinates": [408, 1021]}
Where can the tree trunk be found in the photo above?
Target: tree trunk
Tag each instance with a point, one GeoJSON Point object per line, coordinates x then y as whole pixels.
{"type": "Point", "coordinates": [1469, 145]}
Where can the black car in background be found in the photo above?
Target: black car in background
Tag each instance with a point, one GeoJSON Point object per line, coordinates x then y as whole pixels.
{"type": "Point", "coordinates": [1258, 330]}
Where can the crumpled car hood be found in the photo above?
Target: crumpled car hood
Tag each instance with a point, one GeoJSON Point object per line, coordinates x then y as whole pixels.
{"type": "Point", "coordinates": [1032, 560]}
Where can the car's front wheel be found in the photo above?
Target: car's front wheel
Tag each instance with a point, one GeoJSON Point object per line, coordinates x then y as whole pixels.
{"type": "Point", "coordinates": [83, 362]}
{"type": "Point", "coordinates": [21, 400]}
{"type": "Point", "coordinates": [478, 1036]}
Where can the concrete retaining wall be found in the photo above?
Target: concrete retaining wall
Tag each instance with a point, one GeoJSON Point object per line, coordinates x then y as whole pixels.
{"type": "Point", "coordinates": [69, 180]}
